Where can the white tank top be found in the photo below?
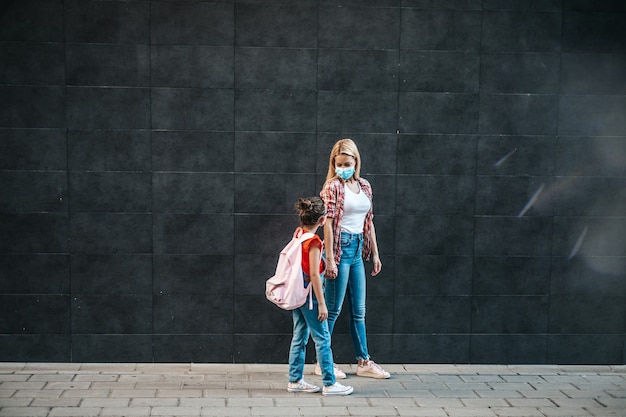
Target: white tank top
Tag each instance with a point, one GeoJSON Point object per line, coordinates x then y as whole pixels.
{"type": "Point", "coordinates": [355, 208]}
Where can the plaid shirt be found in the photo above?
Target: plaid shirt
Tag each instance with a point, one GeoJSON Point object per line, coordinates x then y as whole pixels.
{"type": "Point", "coordinates": [334, 196]}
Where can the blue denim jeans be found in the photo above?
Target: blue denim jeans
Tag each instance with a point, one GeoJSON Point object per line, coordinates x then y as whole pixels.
{"type": "Point", "coordinates": [350, 285]}
{"type": "Point", "coordinates": [305, 322]}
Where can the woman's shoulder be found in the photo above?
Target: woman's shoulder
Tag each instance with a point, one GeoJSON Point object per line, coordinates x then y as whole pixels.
{"type": "Point", "coordinates": [331, 184]}
{"type": "Point", "coordinates": [364, 183]}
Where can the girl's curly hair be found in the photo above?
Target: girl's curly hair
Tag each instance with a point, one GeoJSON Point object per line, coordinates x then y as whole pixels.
{"type": "Point", "coordinates": [310, 210]}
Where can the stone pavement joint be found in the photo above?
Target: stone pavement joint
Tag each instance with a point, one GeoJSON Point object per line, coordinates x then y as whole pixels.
{"type": "Point", "coordinates": [190, 389]}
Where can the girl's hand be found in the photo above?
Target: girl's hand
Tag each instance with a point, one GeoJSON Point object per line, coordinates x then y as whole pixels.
{"type": "Point", "coordinates": [378, 265]}
{"type": "Point", "coordinates": [322, 312]}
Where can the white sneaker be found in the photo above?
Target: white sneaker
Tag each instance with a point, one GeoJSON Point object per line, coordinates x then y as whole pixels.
{"type": "Point", "coordinates": [371, 369]}
{"type": "Point", "coordinates": [337, 389]}
{"type": "Point", "coordinates": [302, 386]}
{"type": "Point", "coordinates": [339, 374]}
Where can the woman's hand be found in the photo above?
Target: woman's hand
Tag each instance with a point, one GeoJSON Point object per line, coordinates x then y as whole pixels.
{"type": "Point", "coordinates": [322, 312]}
{"type": "Point", "coordinates": [331, 269]}
{"type": "Point", "coordinates": [378, 265]}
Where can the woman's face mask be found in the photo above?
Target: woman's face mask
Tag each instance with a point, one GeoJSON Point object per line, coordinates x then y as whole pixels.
{"type": "Point", "coordinates": [344, 166]}
{"type": "Point", "coordinates": [344, 173]}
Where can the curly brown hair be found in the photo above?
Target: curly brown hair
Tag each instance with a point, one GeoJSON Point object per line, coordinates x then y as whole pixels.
{"type": "Point", "coordinates": [310, 210]}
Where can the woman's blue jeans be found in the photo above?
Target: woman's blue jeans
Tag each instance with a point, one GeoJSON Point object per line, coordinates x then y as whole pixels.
{"type": "Point", "coordinates": [350, 285]}
{"type": "Point", "coordinates": [305, 322]}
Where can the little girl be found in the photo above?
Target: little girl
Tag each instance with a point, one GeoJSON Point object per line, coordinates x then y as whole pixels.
{"type": "Point", "coordinates": [312, 215]}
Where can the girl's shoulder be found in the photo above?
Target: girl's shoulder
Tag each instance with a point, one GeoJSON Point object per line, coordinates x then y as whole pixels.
{"type": "Point", "coordinates": [314, 241]}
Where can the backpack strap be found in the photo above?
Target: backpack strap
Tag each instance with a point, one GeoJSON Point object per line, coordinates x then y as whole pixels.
{"type": "Point", "coordinates": [303, 236]}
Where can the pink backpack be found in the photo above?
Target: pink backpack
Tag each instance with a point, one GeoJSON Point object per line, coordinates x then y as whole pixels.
{"type": "Point", "coordinates": [286, 288]}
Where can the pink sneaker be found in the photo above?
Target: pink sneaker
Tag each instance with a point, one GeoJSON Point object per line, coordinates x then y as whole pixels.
{"type": "Point", "coordinates": [371, 369]}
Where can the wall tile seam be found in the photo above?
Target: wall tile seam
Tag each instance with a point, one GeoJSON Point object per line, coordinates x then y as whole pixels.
{"type": "Point", "coordinates": [41, 171]}
{"type": "Point", "coordinates": [591, 217]}
{"type": "Point", "coordinates": [36, 253]}
{"type": "Point", "coordinates": [600, 177]}
{"type": "Point", "coordinates": [104, 129]}
{"type": "Point", "coordinates": [142, 172]}
{"type": "Point", "coordinates": [326, 48]}
{"type": "Point", "coordinates": [591, 137]}
{"type": "Point", "coordinates": [402, 135]}
{"type": "Point", "coordinates": [564, 95]}
{"type": "Point", "coordinates": [8, 86]}
{"type": "Point", "coordinates": [115, 87]}
{"type": "Point", "coordinates": [20, 294]}
{"type": "Point", "coordinates": [469, 50]}
{"type": "Point", "coordinates": [435, 334]}
{"type": "Point", "coordinates": [472, 295]}
{"type": "Point", "coordinates": [525, 94]}
{"type": "Point", "coordinates": [112, 171]}
{"type": "Point", "coordinates": [529, 176]}
{"type": "Point", "coordinates": [484, 216]}
{"type": "Point", "coordinates": [281, 89]}
{"type": "Point", "coordinates": [515, 216]}
{"type": "Point", "coordinates": [52, 213]}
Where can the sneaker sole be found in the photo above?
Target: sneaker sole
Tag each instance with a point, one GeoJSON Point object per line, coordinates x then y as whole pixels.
{"type": "Point", "coordinates": [303, 390]}
{"type": "Point", "coordinates": [346, 392]}
{"type": "Point", "coordinates": [374, 376]}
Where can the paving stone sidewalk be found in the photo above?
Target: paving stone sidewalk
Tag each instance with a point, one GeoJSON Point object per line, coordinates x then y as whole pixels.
{"type": "Point", "coordinates": [84, 389]}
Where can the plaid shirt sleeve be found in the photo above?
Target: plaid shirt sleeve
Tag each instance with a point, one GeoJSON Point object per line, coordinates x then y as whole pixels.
{"type": "Point", "coordinates": [329, 195]}
{"type": "Point", "coordinates": [333, 195]}
{"type": "Point", "coordinates": [367, 227]}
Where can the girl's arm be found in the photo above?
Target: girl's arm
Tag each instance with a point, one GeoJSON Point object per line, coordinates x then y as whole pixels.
{"type": "Point", "coordinates": [316, 281]}
{"type": "Point", "coordinates": [375, 257]}
{"type": "Point", "coordinates": [331, 266]}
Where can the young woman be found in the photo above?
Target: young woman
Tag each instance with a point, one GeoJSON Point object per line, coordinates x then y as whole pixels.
{"type": "Point", "coordinates": [350, 238]}
{"type": "Point", "coordinates": [313, 322]}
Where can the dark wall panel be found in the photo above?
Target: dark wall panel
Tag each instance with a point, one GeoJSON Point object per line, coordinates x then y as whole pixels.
{"type": "Point", "coordinates": [32, 21]}
{"type": "Point", "coordinates": [151, 153]}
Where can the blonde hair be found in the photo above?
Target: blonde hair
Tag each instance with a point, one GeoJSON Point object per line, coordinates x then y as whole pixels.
{"type": "Point", "coordinates": [344, 147]}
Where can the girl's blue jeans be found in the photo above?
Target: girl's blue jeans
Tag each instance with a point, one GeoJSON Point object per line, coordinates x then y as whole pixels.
{"type": "Point", "coordinates": [349, 285]}
{"type": "Point", "coordinates": [305, 322]}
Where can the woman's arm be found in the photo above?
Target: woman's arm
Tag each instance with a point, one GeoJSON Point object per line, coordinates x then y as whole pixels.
{"type": "Point", "coordinates": [329, 195]}
{"type": "Point", "coordinates": [375, 257]}
{"type": "Point", "coordinates": [316, 281]}
{"type": "Point", "coordinates": [331, 266]}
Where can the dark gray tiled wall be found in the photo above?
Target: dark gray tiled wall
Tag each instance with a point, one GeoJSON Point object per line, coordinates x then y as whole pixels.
{"type": "Point", "coordinates": [151, 152]}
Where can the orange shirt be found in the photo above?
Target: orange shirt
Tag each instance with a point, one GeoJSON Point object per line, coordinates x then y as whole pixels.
{"type": "Point", "coordinates": [316, 241]}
